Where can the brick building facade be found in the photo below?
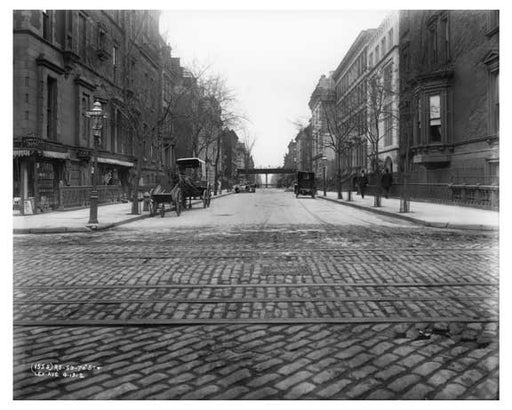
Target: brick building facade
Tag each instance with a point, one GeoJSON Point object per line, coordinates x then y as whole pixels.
{"type": "Point", "coordinates": [64, 60]}
{"type": "Point", "coordinates": [449, 87]}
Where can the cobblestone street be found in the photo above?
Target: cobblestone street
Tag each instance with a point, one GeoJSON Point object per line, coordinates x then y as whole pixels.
{"type": "Point", "coordinates": [323, 303]}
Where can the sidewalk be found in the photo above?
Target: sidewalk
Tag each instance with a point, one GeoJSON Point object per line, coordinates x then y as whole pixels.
{"type": "Point", "coordinates": [109, 215]}
{"type": "Point", "coordinates": [424, 213]}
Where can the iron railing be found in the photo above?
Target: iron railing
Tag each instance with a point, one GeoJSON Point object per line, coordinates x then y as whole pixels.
{"type": "Point", "coordinates": [78, 196]}
{"type": "Point", "coordinates": [472, 195]}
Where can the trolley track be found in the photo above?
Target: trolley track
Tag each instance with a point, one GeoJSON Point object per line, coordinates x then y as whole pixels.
{"type": "Point", "coordinates": [265, 303]}
{"type": "Point", "coordinates": [261, 275]}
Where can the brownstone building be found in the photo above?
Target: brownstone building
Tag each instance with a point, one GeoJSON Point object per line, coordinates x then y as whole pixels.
{"type": "Point", "coordinates": [64, 61]}
{"type": "Point", "coordinates": [449, 108]}
{"type": "Point", "coordinates": [229, 173]}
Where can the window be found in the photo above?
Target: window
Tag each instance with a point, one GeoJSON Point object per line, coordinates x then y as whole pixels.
{"type": "Point", "coordinates": [445, 35]}
{"type": "Point", "coordinates": [69, 29]}
{"type": "Point", "coordinates": [432, 38]}
{"type": "Point", "coordinates": [388, 77]}
{"type": "Point", "coordinates": [82, 27]}
{"type": "Point", "coordinates": [377, 54]}
{"type": "Point", "coordinates": [114, 63]}
{"type": "Point", "coordinates": [494, 100]}
{"type": "Point", "coordinates": [84, 129]}
{"type": "Point", "coordinates": [405, 58]}
{"type": "Point", "coordinates": [388, 125]}
{"type": "Point", "coordinates": [371, 60]}
{"type": "Point", "coordinates": [390, 37]}
{"type": "Point", "coordinates": [434, 133]}
{"type": "Point", "coordinates": [417, 120]}
{"type": "Point", "coordinates": [51, 108]}
{"type": "Point", "coordinates": [47, 29]}
{"type": "Point", "coordinates": [383, 46]}
{"type": "Point", "coordinates": [102, 39]}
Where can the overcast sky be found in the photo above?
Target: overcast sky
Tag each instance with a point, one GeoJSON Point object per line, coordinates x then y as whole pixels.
{"type": "Point", "coordinates": [272, 60]}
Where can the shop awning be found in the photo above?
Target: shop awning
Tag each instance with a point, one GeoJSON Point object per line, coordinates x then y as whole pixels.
{"type": "Point", "coordinates": [54, 154]}
{"type": "Point", "coordinates": [21, 153]}
{"type": "Point", "coordinates": [115, 162]}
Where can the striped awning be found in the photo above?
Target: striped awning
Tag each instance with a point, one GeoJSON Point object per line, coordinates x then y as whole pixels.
{"type": "Point", "coordinates": [115, 162]}
{"type": "Point", "coordinates": [21, 152]}
{"type": "Point", "coordinates": [54, 154]}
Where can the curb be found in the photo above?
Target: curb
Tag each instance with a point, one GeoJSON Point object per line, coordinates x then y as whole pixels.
{"type": "Point", "coordinates": [446, 225]}
{"type": "Point", "coordinates": [85, 229]}
{"type": "Point", "coordinates": [63, 229]}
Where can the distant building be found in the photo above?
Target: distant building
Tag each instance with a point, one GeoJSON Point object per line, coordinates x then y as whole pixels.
{"type": "Point", "coordinates": [290, 158]}
{"type": "Point", "coordinates": [350, 79]}
{"type": "Point", "coordinates": [383, 62]}
{"type": "Point", "coordinates": [449, 92]}
{"type": "Point", "coordinates": [321, 102]}
{"type": "Point", "coordinates": [229, 152]}
{"type": "Point", "coordinates": [304, 140]}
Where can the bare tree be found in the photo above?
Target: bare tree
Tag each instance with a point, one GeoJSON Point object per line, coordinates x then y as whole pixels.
{"type": "Point", "coordinates": [382, 119]}
{"type": "Point", "coordinates": [341, 127]}
{"type": "Point", "coordinates": [223, 112]}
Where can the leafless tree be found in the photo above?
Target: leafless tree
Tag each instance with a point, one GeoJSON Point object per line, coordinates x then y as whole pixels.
{"type": "Point", "coordinates": [382, 119]}
{"type": "Point", "coordinates": [341, 127]}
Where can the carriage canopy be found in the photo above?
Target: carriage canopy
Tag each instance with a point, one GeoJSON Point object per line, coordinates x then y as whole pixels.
{"type": "Point", "coordinates": [193, 167]}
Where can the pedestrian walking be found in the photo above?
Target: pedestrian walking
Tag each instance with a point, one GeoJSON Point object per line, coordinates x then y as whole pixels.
{"type": "Point", "coordinates": [363, 181]}
{"type": "Point", "coordinates": [386, 182]}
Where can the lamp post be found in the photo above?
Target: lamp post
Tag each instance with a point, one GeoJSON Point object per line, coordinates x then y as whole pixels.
{"type": "Point", "coordinates": [97, 115]}
{"type": "Point", "coordinates": [324, 160]}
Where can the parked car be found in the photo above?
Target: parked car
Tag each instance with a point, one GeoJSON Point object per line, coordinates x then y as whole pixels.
{"type": "Point", "coordinates": [305, 184]}
{"type": "Point", "coordinates": [245, 188]}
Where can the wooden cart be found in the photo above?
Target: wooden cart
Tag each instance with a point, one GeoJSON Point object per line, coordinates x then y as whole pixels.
{"type": "Point", "coordinates": [159, 199]}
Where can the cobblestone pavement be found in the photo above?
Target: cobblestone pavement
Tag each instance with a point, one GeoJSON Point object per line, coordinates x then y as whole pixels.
{"type": "Point", "coordinates": [259, 312]}
{"type": "Point", "coordinates": [313, 361]}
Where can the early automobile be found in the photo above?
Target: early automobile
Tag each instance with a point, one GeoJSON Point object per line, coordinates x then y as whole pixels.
{"type": "Point", "coordinates": [305, 184]}
{"type": "Point", "coordinates": [245, 188]}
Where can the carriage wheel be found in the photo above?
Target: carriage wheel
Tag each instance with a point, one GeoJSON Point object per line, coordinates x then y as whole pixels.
{"type": "Point", "coordinates": [179, 203]}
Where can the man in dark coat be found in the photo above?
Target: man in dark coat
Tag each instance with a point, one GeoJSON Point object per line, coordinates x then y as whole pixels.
{"type": "Point", "coordinates": [363, 181]}
{"type": "Point", "coordinates": [386, 182]}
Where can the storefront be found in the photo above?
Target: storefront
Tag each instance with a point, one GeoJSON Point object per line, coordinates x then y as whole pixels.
{"type": "Point", "coordinates": [115, 172]}
{"type": "Point", "coordinates": [36, 176]}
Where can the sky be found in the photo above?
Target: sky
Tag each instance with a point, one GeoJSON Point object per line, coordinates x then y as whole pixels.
{"type": "Point", "coordinates": [271, 60]}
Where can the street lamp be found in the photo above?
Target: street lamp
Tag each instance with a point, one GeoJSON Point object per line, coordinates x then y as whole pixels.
{"type": "Point", "coordinates": [324, 160]}
{"type": "Point", "coordinates": [97, 115]}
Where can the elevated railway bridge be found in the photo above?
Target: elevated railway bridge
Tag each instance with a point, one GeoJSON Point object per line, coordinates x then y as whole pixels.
{"type": "Point", "coordinates": [266, 172]}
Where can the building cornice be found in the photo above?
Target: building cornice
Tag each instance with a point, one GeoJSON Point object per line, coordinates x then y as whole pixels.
{"type": "Point", "coordinates": [44, 62]}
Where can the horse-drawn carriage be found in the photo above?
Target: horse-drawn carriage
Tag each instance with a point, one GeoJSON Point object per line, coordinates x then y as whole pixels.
{"type": "Point", "coordinates": [189, 182]}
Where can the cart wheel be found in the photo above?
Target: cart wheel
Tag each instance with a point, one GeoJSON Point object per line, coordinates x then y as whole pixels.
{"type": "Point", "coordinates": [179, 203]}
